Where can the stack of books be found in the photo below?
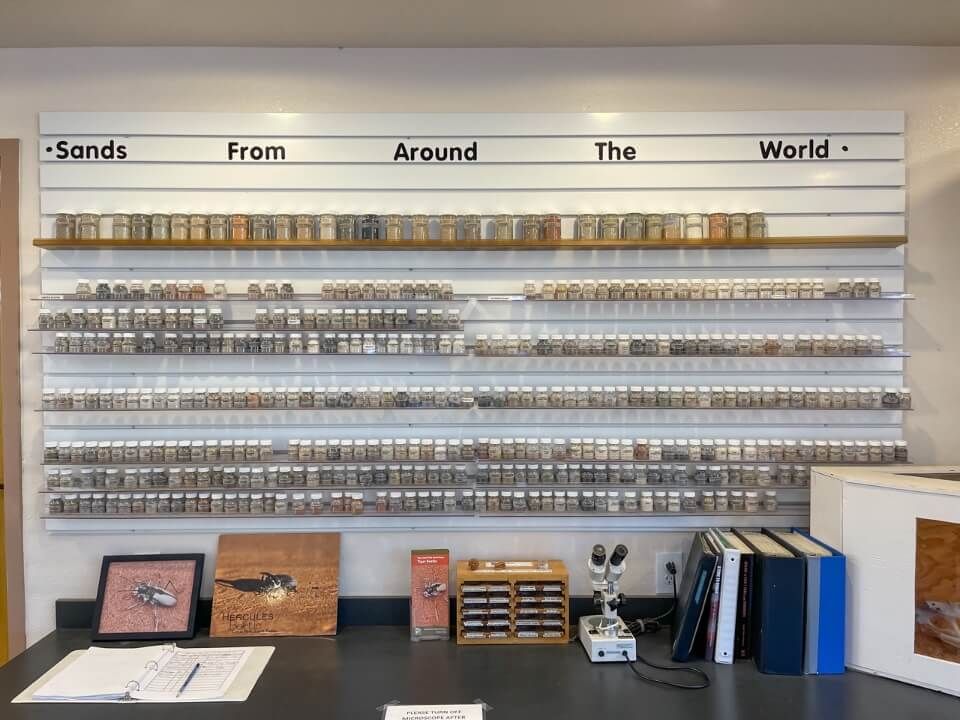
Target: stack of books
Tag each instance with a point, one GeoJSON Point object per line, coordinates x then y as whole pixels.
{"type": "Point", "coordinates": [777, 596]}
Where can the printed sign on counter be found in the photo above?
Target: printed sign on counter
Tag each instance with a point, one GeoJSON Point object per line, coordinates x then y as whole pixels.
{"type": "Point", "coordinates": [473, 711]}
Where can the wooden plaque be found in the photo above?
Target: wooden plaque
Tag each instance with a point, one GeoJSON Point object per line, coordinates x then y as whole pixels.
{"type": "Point", "coordinates": [276, 584]}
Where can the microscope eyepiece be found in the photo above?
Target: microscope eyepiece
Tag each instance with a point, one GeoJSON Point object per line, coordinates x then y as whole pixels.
{"type": "Point", "coordinates": [619, 553]}
{"type": "Point", "coordinates": [599, 556]}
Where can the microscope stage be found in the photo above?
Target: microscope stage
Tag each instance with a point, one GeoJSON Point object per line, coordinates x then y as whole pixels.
{"type": "Point", "coordinates": [606, 645]}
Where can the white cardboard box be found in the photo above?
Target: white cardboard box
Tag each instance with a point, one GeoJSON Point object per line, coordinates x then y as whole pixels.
{"type": "Point", "coordinates": [870, 515]}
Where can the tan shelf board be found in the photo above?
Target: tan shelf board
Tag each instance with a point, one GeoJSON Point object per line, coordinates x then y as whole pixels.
{"type": "Point", "coordinates": [844, 241]}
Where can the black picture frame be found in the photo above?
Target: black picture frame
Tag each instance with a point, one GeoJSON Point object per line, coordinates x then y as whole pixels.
{"type": "Point", "coordinates": [135, 597]}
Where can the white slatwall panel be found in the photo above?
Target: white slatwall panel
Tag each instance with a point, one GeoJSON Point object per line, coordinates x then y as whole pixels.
{"type": "Point", "coordinates": [496, 149]}
{"type": "Point", "coordinates": [566, 201]}
{"type": "Point", "coordinates": [688, 162]}
{"type": "Point", "coordinates": [485, 177]}
{"type": "Point", "coordinates": [347, 125]}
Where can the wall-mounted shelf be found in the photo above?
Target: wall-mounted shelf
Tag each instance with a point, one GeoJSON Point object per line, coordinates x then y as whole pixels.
{"type": "Point", "coordinates": [786, 493]}
{"type": "Point", "coordinates": [835, 241]}
{"type": "Point", "coordinates": [284, 459]}
{"type": "Point", "coordinates": [298, 298]}
{"type": "Point", "coordinates": [786, 516]}
{"type": "Point", "coordinates": [459, 299]}
{"type": "Point", "coordinates": [166, 489]}
{"type": "Point", "coordinates": [886, 354]}
{"type": "Point", "coordinates": [469, 408]}
{"type": "Point", "coordinates": [250, 354]}
{"type": "Point", "coordinates": [239, 326]}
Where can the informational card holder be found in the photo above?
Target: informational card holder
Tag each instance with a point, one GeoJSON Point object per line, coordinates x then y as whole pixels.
{"type": "Point", "coordinates": [393, 710]}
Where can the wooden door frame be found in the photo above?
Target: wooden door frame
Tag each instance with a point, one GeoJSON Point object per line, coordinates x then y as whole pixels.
{"type": "Point", "coordinates": [10, 385]}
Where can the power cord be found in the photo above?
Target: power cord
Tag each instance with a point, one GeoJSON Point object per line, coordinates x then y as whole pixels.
{"type": "Point", "coordinates": [672, 569]}
{"type": "Point", "coordinates": [666, 683]}
{"type": "Point", "coordinates": [650, 625]}
{"type": "Point", "coordinates": [644, 626]}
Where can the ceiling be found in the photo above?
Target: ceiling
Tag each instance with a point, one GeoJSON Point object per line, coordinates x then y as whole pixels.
{"type": "Point", "coordinates": [476, 23]}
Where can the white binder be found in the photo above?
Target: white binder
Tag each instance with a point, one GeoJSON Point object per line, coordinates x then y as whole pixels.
{"type": "Point", "coordinates": [729, 591]}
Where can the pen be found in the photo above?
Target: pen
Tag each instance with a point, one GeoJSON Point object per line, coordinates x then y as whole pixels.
{"type": "Point", "coordinates": [189, 678]}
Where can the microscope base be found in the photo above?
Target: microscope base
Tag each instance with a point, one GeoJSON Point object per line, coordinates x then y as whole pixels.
{"type": "Point", "coordinates": [606, 646]}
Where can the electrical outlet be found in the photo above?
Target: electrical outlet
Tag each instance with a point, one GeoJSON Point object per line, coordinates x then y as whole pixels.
{"type": "Point", "coordinates": [664, 579]}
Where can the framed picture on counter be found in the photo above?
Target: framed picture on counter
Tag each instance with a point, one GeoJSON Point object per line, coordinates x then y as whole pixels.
{"type": "Point", "coordinates": [270, 584]}
{"type": "Point", "coordinates": [148, 597]}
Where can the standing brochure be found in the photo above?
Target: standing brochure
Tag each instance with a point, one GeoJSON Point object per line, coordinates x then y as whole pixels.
{"type": "Point", "coordinates": [429, 595]}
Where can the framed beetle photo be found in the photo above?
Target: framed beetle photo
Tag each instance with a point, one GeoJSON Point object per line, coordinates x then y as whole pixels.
{"type": "Point", "coordinates": [148, 597]}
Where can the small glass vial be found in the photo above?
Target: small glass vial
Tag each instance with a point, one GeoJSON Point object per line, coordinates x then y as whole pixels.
{"type": "Point", "coordinates": [503, 227]}
{"type": "Point", "coordinates": [369, 226]}
{"type": "Point", "coordinates": [472, 227]}
{"type": "Point", "coordinates": [551, 227]}
{"type": "Point", "coordinates": [770, 501]}
{"type": "Point", "coordinates": [65, 226]}
{"type": "Point", "coordinates": [346, 230]}
{"type": "Point", "coordinates": [652, 226]}
{"type": "Point", "coordinates": [160, 226]}
{"type": "Point", "coordinates": [708, 501]}
{"type": "Point", "coordinates": [737, 502]}
{"type": "Point", "coordinates": [647, 501]}
{"type": "Point", "coordinates": [660, 501]}
{"type": "Point", "coordinates": [448, 227]}
{"type": "Point", "coordinates": [531, 227]}
{"type": "Point", "coordinates": [900, 451]}
{"type": "Point", "coordinates": [757, 225]}
{"type": "Point", "coordinates": [326, 227]}
{"type": "Point", "coordinates": [393, 229]}
{"type": "Point", "coordinates": [721, 501]}
{"type": "Point", "coordinates": [121, 226]}
{"type": "Point", "coordinates": [610, 227]}
{"type": "Point", "coordinates": [673, 501]}
{"type": "Point", "coordinates": [179, 226]}
{"type": "Point", "coordinates": [419, 227]}
{"type": "Point", "coordinates": [672, 226]}
{"type": "Point", "coordinates": [88, 226]}
{"type": "Point", "coordinates": [695, 226]}
{"type": "Point", "coordinates": [586, 227]}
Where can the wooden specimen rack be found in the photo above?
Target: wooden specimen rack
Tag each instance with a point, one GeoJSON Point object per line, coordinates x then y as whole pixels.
{"type": "Point", "coordinates": [513, 603]}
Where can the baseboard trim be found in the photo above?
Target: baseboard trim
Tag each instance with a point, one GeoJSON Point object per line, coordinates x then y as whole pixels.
{"type": "Point", "coordinates": [352, 611]}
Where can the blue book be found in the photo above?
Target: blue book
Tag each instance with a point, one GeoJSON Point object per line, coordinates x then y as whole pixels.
{"type": "Point", "coordinates": [825, 634]}
{"type": "Point", "coordinates": [694, 596]}
{"type": "Point", "coordinates": [778, 607]}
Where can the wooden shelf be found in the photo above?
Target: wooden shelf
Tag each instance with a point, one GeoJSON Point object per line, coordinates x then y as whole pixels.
{"type": "Point", "coordinates": [846, 241]}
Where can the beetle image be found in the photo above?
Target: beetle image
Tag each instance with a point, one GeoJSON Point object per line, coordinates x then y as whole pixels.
{"type": "Point", "coordinates": [432, 590]}
{"type": "Point", "coordinates": [273, 585]}
{"type": "Point", "coordinates": [148, 594]}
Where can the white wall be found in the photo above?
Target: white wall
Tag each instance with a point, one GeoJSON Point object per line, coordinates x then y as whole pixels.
{"type": "Point", "coordinates": [925, 82]}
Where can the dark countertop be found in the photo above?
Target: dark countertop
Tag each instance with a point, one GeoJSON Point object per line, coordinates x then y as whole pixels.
{"type": "Point", "coordinates": [363, 667]}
